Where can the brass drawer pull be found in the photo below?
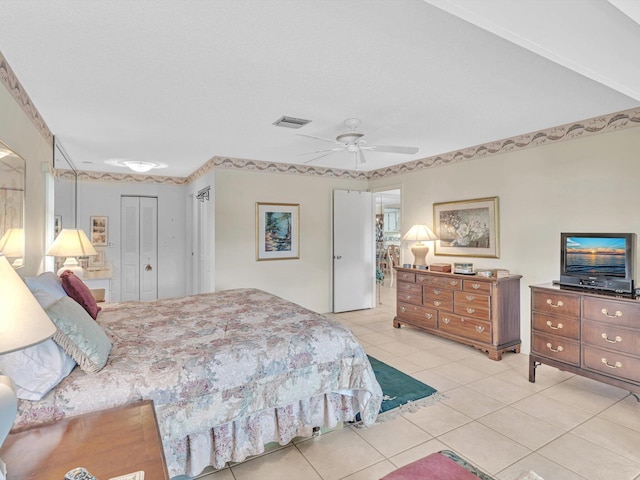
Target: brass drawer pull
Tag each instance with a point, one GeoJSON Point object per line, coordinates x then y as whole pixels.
{"type": "Point", "coordinates": [475, 286]}
{"type": "Point", "coordinates": [429, 316]}
{"type": "Point", "coordinates": [403, 309]}
{"type": "Point", "coordinates": [437, 303]}
{"type": "Point", "coordinates": [479, 328]}
{"type": "Point", "coordinates": [470, 297]}
{"type": "Point", "coordinates": [616, 365]}
{"type": "Point", "coordinates": [470, 310]}
{"type": "Point", "coordinates": [437, 292]}
{"type": "Point", "coordinates": [550, 325]}
{"type": "Point", "coordinates": [408, 297]}
{"type": "Point", "coordinates": [618, 338]}
{"type": "Point", "coordinates": [606, 312]}
{"type": "Point", "coordinates": [551, 304]}
{"type": "Point", "coordinates": [405, 276]}
{"type": "Point", "coordinates": [453, 282]}
{"type": "Point", "coordinates": [446, 321]}
{"type": "Point", "coordinates": [550, 347]}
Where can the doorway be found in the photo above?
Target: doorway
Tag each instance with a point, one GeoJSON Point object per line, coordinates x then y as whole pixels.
{"type": "Point", "coordinates": [388, 225]}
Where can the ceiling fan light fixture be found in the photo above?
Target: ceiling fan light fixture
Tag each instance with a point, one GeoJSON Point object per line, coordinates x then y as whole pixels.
{"type": "Point", "coordinates": [137, 166]}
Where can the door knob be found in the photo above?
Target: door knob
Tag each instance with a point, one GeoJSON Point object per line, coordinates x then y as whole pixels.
{"type": "Point", "coordinates": [148, 267]}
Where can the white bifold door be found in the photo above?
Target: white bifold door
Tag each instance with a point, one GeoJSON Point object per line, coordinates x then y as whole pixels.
{"type": "Point", "coordinates": [139, 248]}
{"type": "Point", "coordinates": [353, 251]}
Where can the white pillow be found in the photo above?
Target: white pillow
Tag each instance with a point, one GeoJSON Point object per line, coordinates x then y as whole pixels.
{"type": "Point", "coordinates": [36, 370]}
{"type": "Point", "coordinates": [47, 281]}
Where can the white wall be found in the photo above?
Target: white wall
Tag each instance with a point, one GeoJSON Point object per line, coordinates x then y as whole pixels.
{"type": "Point", "coordinates": [306, 281]}
{"type": "Point", "coordinates": [583, 185]}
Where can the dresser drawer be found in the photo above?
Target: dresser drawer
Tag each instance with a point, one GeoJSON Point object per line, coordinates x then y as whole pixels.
{"type": "Point", "coordinates": [612, 363]}
{"type": "Point", "coordinates": [612, 311]}
{"type": "Point", "coordinates": [406, 287]}
{"type": "Point", "coordinates": [612, 337]}
{"type": "Point", "coordinates": [474, 286]}
{"type": "Point", "coordinates": [440, 281]}
{"type": "Point", "coordinates": [556, 303]}
{"type": "Point", "coordinates": [408, 297]}
{"type": "Point", "coordinates": [437, 293]}
{"type": "Point", "coordinates": [424, 316]}
{"type": "Point", "coordinates": [558, 348]}
{"type": "Point", "coordinates": [474, 299]}
{"type": "Point", "coordinates": [563, 326]}
{"type": "Point", "coordinates": [469, 310]}
{"type": "Point", "coordinates": [406, 276]}
{"type": "Point", "coordinates": [465, 327]}
{"type": "Point", "coordinates": [441, 303]}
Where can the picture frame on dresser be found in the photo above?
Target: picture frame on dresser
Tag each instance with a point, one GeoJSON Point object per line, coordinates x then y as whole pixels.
{"type": "Point", "coordinates": [468, 228]}
{"type": "Point", "coordinates": [97, 260]}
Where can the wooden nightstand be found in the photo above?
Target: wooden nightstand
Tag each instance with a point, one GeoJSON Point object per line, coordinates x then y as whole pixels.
{"type": "Point", "coordinates": [108, 443]}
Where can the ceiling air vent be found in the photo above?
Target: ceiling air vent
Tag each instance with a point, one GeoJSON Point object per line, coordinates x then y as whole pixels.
{"type": "Point", "coordinates": [290, 122]}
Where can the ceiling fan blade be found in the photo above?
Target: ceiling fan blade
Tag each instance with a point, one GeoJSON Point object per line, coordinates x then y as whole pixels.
{"type": "Point", "coordinates": [319, 138]}
{"type": "Point", "coordinates": [322, 151]}
{"type": "Point", "coordinates": [395, 149]}
{"type": "Point", "coordinates": [321, 156]}
{"type": "Point", "coordinates": [361, 156]}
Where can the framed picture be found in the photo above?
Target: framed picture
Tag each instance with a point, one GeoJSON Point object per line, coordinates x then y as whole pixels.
{"type": "Point", "coordinates": [57, 225]}
{"type": "Point", "coordinates": [99, 231]}
{"type": "Point", "coordinates": [277, 231]}
{"type": "Point", "coordinates": [97, 260]}
{"type": "Point", "coordinates": [467, 228]}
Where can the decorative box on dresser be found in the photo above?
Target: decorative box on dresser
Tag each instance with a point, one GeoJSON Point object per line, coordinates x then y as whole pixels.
{"type": "Point", "coordinates": [596, 335]}
{"type": "Point", "coordinates": [483, 312]}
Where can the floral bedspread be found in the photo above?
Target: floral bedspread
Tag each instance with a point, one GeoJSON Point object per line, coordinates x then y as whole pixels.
{"type": "Point", "coordinates": [227, 372]}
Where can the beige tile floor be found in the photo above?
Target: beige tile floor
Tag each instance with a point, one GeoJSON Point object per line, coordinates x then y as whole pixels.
{"type": "Point", "coordinates": [564, 427]}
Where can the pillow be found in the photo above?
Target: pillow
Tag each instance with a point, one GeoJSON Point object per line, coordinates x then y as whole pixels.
{"type": "Point", "coordinates": [36, 370]}
{"type": "Point", "coordinates": [44, 298]}
{"type": "Point", "coordinates": [48, 282]}
{"type": "Point", "coordinates": [79, 335]}
{"type": "Point", "coordinates": [77, 290]}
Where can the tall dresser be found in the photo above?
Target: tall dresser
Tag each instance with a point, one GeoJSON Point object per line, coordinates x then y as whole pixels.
{"type": "Point", "coordinates": [596, 335]}
{"type": "Point", "coordinates": [483, 312]}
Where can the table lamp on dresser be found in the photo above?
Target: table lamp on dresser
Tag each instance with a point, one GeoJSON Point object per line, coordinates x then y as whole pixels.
{"type": "Point", "coordinates": [71, 243]}
{"type": "Point", "coordinates": [23, 323]}
{"type": "Point", "coordinates": [420, 234]}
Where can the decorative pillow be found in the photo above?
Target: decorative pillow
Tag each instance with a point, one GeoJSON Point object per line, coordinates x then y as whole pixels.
{"type": "Point", "coordinates": [79, 335]}
{"type": "Point", "coordinates": [36, 370]}
{"type": "Point", "coordinates": [44, 298]}
{"type": "Point", "coordinates": [77, 290]}
{"type": "Point", "coordinates": [48, 282]}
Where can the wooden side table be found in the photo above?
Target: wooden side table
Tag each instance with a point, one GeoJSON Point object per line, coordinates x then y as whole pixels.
{"type": "Point", "coordinates": [107, 443]}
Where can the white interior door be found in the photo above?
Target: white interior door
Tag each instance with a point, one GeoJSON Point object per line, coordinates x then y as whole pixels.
{"type": "Point", "coordinates": [353, 251]}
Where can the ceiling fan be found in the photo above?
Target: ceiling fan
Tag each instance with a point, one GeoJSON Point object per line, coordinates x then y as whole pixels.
{"type": "Point", "coordinates": [351, 141]}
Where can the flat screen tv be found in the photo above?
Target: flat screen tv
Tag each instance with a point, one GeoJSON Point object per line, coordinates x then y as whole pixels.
{"type": "Point", "coordinates": [600, 261]}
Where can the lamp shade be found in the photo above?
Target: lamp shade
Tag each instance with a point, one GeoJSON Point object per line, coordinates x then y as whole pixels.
{"type": "Point", "coordinates": [71, 243]}
{"type": "Point", "coordinates": [12, 243]}
{"type": "Point", "coordinates": [419, 233]}
{"type": "Point", "coordinates": [23, 322]}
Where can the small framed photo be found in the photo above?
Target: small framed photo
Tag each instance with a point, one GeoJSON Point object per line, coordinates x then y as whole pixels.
{"type": "Point", "coordinates": [97, 260]}
{"type": "Point", "coordinates": [99, 231]}
{"type": "Point", "coordinates": [277, 231]}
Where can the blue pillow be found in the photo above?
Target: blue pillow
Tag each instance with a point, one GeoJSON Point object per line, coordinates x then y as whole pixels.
{"type": "Point", "coordinates": [79, 335]}
{"type": "Point", "coordinates": [47, 281]}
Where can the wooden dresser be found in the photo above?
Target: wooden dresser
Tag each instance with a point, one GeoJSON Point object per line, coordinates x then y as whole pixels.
{"type": "Point", "coordinates": [595, 335]}
{"type": "Point", "coordinates": [483, 312]}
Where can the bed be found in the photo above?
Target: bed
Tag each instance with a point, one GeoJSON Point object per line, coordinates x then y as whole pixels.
{"type": "Point", "coordinates": [228, 372]}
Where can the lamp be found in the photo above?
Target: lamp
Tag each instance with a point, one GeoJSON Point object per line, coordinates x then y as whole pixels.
{"type": "Point", "coordinates": [12, 245]}
{"type": "Point", "coordinates": [71, 243]}
{"type": "Point", "coordinates": [23, 323]}
{"type": "Point", "coordinates": [419, 233]}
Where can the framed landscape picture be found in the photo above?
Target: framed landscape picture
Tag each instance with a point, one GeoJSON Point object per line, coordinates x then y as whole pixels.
{"type": "Point", "coordinates": [277, 231]}
{"type": "Point", "coordinates": [467, 228]}
{"type": "Point", "coordinates": [99, 230]}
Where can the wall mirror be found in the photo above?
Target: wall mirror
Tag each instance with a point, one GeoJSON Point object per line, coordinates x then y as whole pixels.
{"type": "Point", "coordinates": [66, 189]}
{"type": "Point", "coordinates": [13, 170]}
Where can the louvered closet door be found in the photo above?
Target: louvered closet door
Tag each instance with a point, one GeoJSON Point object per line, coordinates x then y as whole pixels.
{"type": "Point", "coordinates": [139, 248]}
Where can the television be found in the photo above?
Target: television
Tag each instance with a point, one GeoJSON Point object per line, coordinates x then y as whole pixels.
{"type": "Point", "coordinates": [599, 261]}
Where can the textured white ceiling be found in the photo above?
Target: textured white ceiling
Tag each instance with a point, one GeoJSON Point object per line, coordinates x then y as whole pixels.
{"type": "Point", "coordinates": [179, 82]}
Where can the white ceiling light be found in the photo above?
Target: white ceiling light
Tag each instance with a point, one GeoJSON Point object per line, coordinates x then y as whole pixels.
{"type": "Point", "coordinates": [137, 166]}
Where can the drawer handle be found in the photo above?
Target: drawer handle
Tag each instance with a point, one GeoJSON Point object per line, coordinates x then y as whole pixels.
{"type": "Point", "coordinates": [408, 297]}
{"type": "Point", "coordinates": [429, 316]}
{"type": "Point", "coordinates": [556, 305]}
{"type": "Point", "coordinates": [618, 338]}
{"type": "Point", "coordinates": [453, 282]}
{"type": "Point", "coordinates": [470, 297]}
{"type": "Point", "coordinates": [403, 309]}
{"type": "Point", "coordinates": [437, 303]}
{"type": "Point", "coordinates": [615, 365]}
{"type": "Point", "coordinates": [550, 325]}
{"type": "Point", "coordinates": [479, 328]}
{"type": "Point", "coordinates": [421, 278]}
{"type": "Point", "coordinates": [550, 347]}
{"type": "Point", "coordinates": [470, 310]}
{"type": "Point", "coordinates": [437, 292]}
{"type": "Point", "coordinates": [446, 321]}
{"type": "Point", "coordinates": [475, 286]}
{"type": "Point", "coordinates": [405, 276]}
{"type": "Point", "coordinates": [606, 312]}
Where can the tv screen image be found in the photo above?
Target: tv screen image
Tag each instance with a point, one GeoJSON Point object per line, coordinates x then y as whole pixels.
{"type": "Point", "coordinates": [596, 256]}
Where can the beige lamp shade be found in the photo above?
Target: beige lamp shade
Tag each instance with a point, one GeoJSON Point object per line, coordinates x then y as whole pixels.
{"type": "Point", "coordinates": [419, 234]}
{"type": "Point", "coordinates": [12, 243]}
{"type": "Point", "coordinates": [71, 243]}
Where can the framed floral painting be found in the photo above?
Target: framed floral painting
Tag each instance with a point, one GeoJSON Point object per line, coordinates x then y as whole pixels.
{"type": "Point", "coordinates": [467, 228]}
{"type": "Point", "coordinates": [277, 231]}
